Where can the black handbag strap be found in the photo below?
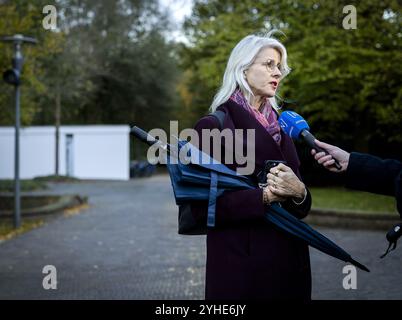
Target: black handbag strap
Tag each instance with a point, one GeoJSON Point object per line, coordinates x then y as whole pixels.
{"type": "Point", "coordinates": [220, 115]}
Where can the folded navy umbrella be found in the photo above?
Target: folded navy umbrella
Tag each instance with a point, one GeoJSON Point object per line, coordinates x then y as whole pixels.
{"type": "Point", "coordinates": [203, 178]}
{"type": "Point", "coordinates": [289, 223]}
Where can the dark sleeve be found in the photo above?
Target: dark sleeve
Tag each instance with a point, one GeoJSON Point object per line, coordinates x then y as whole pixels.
{"type": "Point", "coordinates": [299, 210]}
{"type": "Point", "coordinates": [372, 174]}
{"type": "Point", "coordinates": [398, 192]}
{"type": "Point", "coordinates": [232, 206]}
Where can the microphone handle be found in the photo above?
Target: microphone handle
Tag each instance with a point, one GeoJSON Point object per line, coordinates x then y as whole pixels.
{"type": "Point", "coordinates": [309, 139]}
{"type": "Point", "coordinates": [395, 233]}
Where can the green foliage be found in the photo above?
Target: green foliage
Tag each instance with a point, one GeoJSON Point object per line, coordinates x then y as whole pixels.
{"type": "Point", "coordinates": [7, 230]}
{"type": "Point", "coordinates": [26, 185]}
{"type": "Point", "coordinates": [107, 63]}
{"type": "Point", "coordinates": [20, 17]}
{"type": "Point", "coordinates": [116, 67]}
{"type": "Point", "coordinates": [344, 199]}
{"type": "Point", "coordinates": [347, 83]}
{"type": "Point", "coordinates": [54, 178]}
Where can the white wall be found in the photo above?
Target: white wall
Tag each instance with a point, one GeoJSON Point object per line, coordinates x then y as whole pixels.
{"type": "Point", "coordinates": [99, 152]}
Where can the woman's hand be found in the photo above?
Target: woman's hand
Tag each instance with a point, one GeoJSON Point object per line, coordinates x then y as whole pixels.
{"type": "Point", "coordinates": [283, 182]}
{"type": "Point", "coordinates": [271, 197]}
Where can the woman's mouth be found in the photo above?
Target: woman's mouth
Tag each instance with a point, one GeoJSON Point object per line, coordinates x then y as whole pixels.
{"type": "Point", "coordinates": [274, 84]}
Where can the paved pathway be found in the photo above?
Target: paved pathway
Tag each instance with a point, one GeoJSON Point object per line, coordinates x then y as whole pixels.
{"type": "Point", "coordinates": [126, 246]}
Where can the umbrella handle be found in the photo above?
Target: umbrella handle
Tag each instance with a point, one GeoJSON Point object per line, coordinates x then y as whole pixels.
{"type": "Point", "coordinates": [143, 136]}
{"type": "Point", "coordinates": [148, 139]}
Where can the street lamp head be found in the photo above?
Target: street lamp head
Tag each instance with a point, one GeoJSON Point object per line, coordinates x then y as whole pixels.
{"type": "Point", "coordinates": [12, 76]}
{"type": "Point", "coordinates": [18, 39]}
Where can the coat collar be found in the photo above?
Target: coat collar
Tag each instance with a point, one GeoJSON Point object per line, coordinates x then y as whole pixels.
{"type": "Point", "coordinates": [265, 146]}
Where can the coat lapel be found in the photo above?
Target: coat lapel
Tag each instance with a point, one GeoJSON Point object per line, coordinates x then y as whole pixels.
{"type": "Point", "coordinates": [265, 146]}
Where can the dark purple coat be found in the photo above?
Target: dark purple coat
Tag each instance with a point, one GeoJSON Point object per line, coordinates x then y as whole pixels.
{"type": "Point", "coordinates": [247, 257]}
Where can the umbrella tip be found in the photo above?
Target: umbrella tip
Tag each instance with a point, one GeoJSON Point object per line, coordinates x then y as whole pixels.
{"type": "Point", "coordinates": [360, 266]}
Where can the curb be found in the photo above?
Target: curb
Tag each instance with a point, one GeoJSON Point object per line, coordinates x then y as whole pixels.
{"type": "Point", "coordinates": [64, 202]}
{"type": "Point", "coordinates": [349, 219]}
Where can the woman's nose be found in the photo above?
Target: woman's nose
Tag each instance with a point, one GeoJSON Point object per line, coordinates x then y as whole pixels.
{"type": "Point", "coordinates": [277, 73]}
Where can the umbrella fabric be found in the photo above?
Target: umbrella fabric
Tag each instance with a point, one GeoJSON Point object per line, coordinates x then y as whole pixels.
{"type": "Point", "coordinates": [286, 221]}
{"type": "Point", "coordinates": [206, 179]}
{"type": "Point", "coordinates": [199, 172]}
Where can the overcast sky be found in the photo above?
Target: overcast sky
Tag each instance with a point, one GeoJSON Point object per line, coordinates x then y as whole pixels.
{"type": "Point", "coordinates": [179, 9]}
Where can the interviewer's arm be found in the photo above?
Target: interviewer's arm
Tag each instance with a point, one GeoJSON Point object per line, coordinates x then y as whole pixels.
{"type": "Point", "coordinates": [369, 173]}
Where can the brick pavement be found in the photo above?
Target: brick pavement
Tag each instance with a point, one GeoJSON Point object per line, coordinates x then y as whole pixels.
{"type": "Point", "coordinates": [126, 246]}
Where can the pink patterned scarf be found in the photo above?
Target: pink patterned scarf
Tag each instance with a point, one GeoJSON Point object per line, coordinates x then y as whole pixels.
{"type": "Point", "coordinates": [266, 117]}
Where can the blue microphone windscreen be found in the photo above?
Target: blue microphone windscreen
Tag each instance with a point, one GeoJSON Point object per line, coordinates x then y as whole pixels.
{"type": "Point", "coordinates": [292, 124]}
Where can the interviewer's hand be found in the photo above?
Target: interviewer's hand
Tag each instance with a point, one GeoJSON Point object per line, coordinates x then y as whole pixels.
{"type": "Point", "coordinates": [333, 152]}
{"type": "Point", "coordinates": [283, 182]}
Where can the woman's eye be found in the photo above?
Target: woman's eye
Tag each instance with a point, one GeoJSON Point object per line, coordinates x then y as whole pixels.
{"type": "Point", "coordinates": [270, 64]}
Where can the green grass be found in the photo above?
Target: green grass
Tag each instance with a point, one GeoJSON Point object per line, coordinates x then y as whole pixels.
{"type": "Point", "coordinates": [7, 230]}
{"type": "Point", "coordinates": [54, 178]}
{"type": "Point", "coordinates": [344, 199]}
{"type": "Point", "coordinates": [26, 185]}
{"type": "Point", "coordinates": [38, 183]}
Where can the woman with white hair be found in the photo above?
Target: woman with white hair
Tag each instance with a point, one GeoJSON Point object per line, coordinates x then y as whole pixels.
{"type": "Point", "coordinates": [248, 258]}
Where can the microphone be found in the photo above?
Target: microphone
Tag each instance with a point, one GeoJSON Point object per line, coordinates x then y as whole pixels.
{"type": "Point", "coordinates": [296, 127]}
{"type": "Point", "coordinates": [392, 236]}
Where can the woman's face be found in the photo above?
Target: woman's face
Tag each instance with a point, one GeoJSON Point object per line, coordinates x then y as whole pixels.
{"type": "Point", "coordinates": [264, 74]}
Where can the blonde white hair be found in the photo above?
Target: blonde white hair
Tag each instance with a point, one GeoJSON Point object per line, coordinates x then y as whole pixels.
{"type": "Point", "coordinates": [241, 57]}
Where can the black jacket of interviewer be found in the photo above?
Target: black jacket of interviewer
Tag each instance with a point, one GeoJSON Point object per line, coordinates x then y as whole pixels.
{"type": "Point", "coordinates": [369, 173]}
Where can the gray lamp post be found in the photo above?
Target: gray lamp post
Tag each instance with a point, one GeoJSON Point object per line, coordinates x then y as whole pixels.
{"type": "Point", "coordinates": [13, 77]}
